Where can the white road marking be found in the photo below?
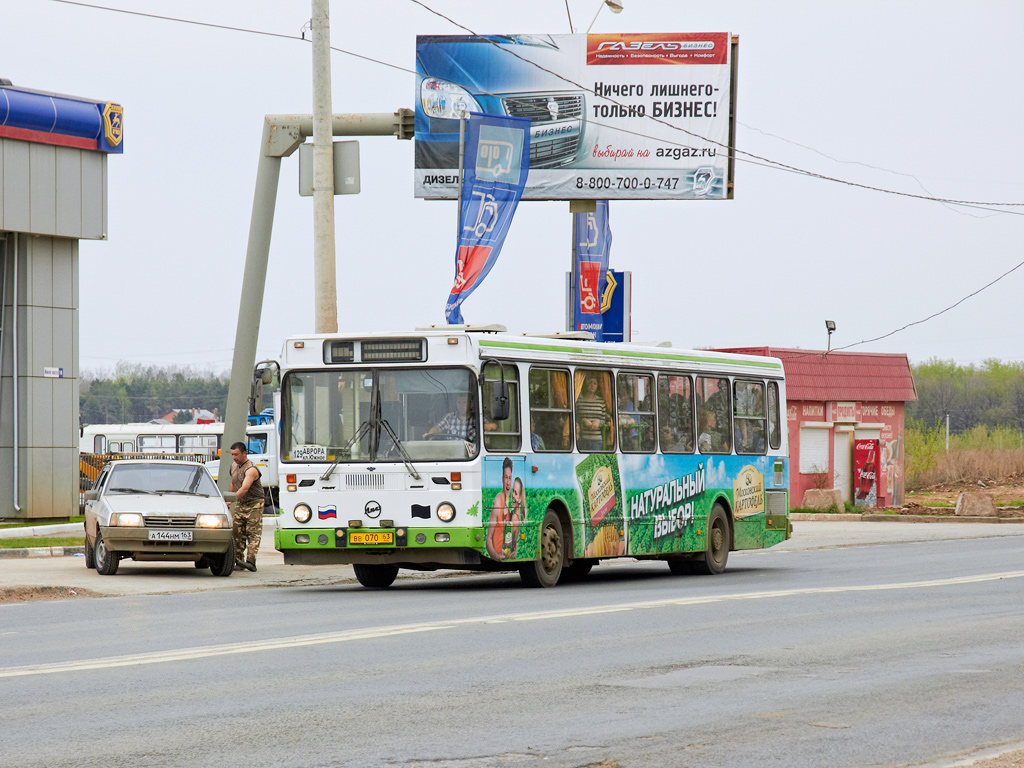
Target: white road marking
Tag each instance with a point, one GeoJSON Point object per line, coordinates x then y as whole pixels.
{"type": "Point", "coordinates": [368, 633]}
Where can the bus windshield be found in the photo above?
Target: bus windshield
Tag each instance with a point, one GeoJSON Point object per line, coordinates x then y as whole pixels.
{"type": "Point", "coordinates": [427, 414]}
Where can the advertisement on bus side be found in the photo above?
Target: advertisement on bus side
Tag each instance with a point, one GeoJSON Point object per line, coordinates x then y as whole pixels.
{"type": "Point", "coordinates": [624, 504]}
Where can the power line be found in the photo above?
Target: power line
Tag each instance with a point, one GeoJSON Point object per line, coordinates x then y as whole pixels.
{"type": "Point", "coordinates": [763, 161]}
{"type": "Point", "coordinates": [178, 20]}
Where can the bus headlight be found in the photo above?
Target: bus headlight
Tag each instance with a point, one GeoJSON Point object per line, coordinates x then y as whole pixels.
{"type": "Point", "coordinates": [445, 512]}
{"type": "Point", "coordinates": [302, 513]}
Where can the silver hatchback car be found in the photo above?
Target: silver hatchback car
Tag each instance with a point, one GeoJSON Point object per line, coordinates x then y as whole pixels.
{"type": "Point", "coordinates": [157, 509]}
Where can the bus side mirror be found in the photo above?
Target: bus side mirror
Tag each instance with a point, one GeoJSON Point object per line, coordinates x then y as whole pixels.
{"type": "Point", "coordinates": [260, 376]}
{"type": "Point", "coordinates": [499, 400]}
{"type": "Point", "coordinates": [256, 396]}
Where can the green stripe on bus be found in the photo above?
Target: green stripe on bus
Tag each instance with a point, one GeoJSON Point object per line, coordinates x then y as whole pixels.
{"type": "Point", "coordinates": [629, 353]}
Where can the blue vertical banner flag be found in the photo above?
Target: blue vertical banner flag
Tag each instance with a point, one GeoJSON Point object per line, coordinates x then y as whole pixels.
{"type": "Point", "coordinates": [593, 244]}
{"type": "Point", "coordinates": [497, 163]}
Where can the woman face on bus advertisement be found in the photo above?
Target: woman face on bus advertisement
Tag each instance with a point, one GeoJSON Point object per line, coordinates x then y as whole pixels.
{"type": "Point", "coordinates": [518, 502]}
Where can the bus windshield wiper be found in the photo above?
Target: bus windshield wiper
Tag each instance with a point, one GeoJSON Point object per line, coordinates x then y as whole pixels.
{"type": "Point", "coordinates": [406, 458]}
{"type": "Point", "coordinates": [346, 449]}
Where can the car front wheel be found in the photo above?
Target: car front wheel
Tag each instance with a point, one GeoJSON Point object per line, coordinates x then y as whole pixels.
{"type": "Point", "coordinates": [106, 561]}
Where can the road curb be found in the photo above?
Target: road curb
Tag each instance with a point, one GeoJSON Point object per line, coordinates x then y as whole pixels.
{"type": "Point", "coordinates": [826, 517]}
{"type": "Point", "coordinates": [41, 552]}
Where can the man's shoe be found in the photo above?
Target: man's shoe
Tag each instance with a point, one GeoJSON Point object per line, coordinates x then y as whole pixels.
{"type": "Point", "coordinates": [250, 565]}
{"type": "Point", "coordinates": [239, 565]}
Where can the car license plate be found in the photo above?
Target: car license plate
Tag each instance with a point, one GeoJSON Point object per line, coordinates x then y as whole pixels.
{"type": "Point", "coordinates": [170, 535]}
{"type": "Point", "coordinates": [371, 537]}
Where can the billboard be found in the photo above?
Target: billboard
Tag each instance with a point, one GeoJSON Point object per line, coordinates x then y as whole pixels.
{"type": "Point", "coordinates": [631, 116]}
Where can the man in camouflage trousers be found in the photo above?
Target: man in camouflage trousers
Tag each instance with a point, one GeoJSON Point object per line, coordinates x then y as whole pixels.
{"type": "Point", "coordinates": [248, 512]}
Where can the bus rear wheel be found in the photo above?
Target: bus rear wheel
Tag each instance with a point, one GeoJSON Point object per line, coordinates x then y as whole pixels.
{"type": "Point", "coordinates": [547, 568]}
{"type": "Point", "coordinates": [376, 576]}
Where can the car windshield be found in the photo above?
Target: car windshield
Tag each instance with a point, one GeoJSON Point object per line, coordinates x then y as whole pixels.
{"type": "Point", "coordinates": [161, 478]}
{"type": "Point", "coordinates": [415, 414]}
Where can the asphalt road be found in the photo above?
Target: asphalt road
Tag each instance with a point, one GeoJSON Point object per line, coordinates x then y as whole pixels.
{"type": "Point", "coordinates": [889, 654]}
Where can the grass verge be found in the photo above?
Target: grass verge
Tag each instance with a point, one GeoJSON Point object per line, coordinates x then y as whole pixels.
{"type": "Point", "coordinates": [42, 541]}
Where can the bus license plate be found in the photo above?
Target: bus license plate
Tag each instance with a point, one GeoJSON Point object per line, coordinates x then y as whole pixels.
{"type": "Point", "coordinates": [371, 537]}
{"type": "Point", "coordinates": [170, 535]}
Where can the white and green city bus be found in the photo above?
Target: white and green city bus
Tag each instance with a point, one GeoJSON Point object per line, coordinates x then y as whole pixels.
{"type": "Point", "coordinates": [470, 448]}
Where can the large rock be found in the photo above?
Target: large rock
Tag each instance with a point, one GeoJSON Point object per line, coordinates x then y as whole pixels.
{"type": "Point", "coordinates": [976, 504]}
{"type": "Point", "coordinates": [823, 498]}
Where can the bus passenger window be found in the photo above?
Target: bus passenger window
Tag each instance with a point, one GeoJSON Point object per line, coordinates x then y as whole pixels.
{"type": "Point", "coordinates": [774, 427]}
{"type": "Point", "coordinates": [636, 413]}
{"type": "Point", "coordinates": [501, 435]}
{"type": "Point", "coordinates": [594, 411]}
{"type": "Point", "coordinates": [99, 444]}
{"type": "Point", "coordinates": [714, 412]}
{"type": "Point", "coordinates": [550, 414]}
{"type": "Point", "coordinates": [749, 416]}
{"type": "Point", "coordinates": [675, 414]}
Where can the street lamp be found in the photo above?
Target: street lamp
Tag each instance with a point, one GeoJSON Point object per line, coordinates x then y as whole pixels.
{"type": "Point", "coordinates": [614, 5]}
{"type": "Point", "coordinates": [830, 326]}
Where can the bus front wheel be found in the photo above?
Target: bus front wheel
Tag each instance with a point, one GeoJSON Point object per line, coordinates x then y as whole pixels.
{"type": "Point", "coordinates": [376, 576]}
{"type": "Point", "coordinates": [547, 568]}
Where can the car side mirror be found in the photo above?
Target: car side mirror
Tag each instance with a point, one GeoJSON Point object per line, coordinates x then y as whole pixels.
{"type": "Point", "coordinates": [92, 495]}
{"type": "Point", "coordinates": [499, 400]}
{"type": "Point", "coordinates": [230, 496]}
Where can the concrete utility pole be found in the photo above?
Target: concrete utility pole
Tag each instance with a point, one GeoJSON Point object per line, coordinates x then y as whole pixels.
{"type": "Point", "coordinates": [325, 281]}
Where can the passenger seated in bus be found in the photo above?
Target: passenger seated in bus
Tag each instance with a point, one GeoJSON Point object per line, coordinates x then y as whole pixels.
{"type": "Point", "coordinates": [711, 439]}
{"type": "Point", "coordinates": [549, 432]}
{"type": "Point", "coordinates": [459, 422]}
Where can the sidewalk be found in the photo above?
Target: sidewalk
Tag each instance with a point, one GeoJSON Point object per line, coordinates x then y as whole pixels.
{"type": "Point", "coordinates": [148, 578]}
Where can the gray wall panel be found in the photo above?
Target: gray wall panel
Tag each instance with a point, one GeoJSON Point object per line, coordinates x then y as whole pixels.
{"type": "Point", "coordinates": [94, 197]}
{"type": "Point", "coordinates": [40, 407]}
{"type": "Point", "coordinates": [63, 413]}
{"type": "Point", "coordinates": [38, 269]}
{"type": "Point", "coordinates": [17, 168]}
{"type": "Point", "coordinates": [40, 339]}
{"type": "Point", "coordinates": [43, 188]}
{"type": "Point", "coordinates": [69, 192]}
{"type": "Point", "coordinates": [63, 273]}
{"type": "Point", "coordinates": [6, 482]}
{"type": "Point", "coordinates": [40, 485]}
{"type": "Point", "coordinates": [63, 349]}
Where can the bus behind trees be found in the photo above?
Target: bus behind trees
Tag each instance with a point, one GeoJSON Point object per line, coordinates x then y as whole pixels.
{"type": "Point", "coordinates": [470, 449]}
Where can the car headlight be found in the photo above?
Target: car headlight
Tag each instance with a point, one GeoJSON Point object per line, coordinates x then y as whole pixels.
{"type": "Point", "coordinates": [127, 519]}
{"type": "Point", "coordinates": [448, 100]}
{"type": "Point", "coordinates": [302, 513]}
{"type": "Point", "coordinates": [445, 512]}
{"type": "Point", "coordinates": [212, 521]}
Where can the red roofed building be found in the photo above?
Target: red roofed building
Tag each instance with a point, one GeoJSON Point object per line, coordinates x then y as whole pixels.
{"type": "Point", "coordinates": [835, 401]}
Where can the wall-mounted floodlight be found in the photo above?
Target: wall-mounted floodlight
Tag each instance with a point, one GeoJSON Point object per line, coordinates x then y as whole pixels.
{"type": "Point", "coordinates": [615, 6]}
{"type": "Point", "coordinates": [830, 326]}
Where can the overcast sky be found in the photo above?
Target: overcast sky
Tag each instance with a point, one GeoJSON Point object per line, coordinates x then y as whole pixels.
{"type": "Point", "coordinates": [915, 97]}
